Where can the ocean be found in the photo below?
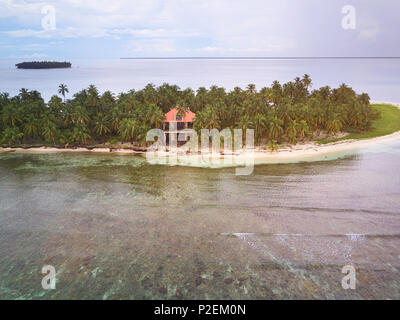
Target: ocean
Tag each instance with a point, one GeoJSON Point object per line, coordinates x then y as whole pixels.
{"type": "Point", "coordinates": [115, 227]}
{"type": "Point", "coordinates": [377, 77]}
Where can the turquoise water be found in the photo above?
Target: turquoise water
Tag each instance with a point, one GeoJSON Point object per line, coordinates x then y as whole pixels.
{"type": "Point", "coordinates": [115, 227]}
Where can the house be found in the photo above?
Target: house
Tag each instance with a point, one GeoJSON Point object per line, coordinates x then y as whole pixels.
{"type": "Point", "coordinates": [175, 123]}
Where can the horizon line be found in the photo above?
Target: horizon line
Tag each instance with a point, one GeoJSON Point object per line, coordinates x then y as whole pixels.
{"type": "Point", "coordinates": [254, 58]}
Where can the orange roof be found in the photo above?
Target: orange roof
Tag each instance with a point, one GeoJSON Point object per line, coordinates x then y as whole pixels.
{"type": "Point", "coordinates": [171, 116]}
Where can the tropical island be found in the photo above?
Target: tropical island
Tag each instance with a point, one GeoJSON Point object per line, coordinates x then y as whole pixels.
{"type": "Point", "coordinates": [282, 115]}
{"type": "Point", "coordinates": [43, 65]}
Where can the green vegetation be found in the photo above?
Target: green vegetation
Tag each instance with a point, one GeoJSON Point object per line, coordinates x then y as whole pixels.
{"type": "Point", "coordinates": [387, 123]}
{"type": "Point", "coordinates": [43, 65]}
{"type": "Point", "coordinates": [279, 114]}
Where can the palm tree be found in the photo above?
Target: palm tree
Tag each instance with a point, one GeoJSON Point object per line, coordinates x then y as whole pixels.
{"type": "Point", "coordinates": [364, 98]}
{"type": "Point", "coordinates": [79, 115]}
{"type": "Point", "coordinates": [107, 101]}
{"type": "Point", "coordinates": [275, 128]}
{"type": "Point", "coordinates": [307, 81]}
{"type": "Point", "coordinates": [156, 117]}
{"type": "Point", "coordinates": [81, 133]}
{"type": "Point", "coordinates": [31, 127]}
{"type": "Point", "coordinates": [93, 98]}
{"type": "Point", "coordinates": [245, 122]}
{"type": "Point", "coordinates": [325, 93]}
{"type": "Point", "coordinates": [334, 124]}
{"type": "Point", "coordinates": [260, 123]}
{"type": "Point", "coordinates": [24, 94]}
{"type": "Point", "coordinates": [11, 115]}
{"type": "Point", "coordinates": [207, 119]}
{"type": "Point", "coordinates": [303, 128]}
{"type": "Point", "coordinates": [150, 93]}
{"type": "Point", "coordinates": [292, 131]}
{"type": "Point", "coordinates": [128, 129]}
{"type": "Point", "coordinates": [211, 118]}
{"type": "Point", "coordinates": [141, 133]}
{"type": "Point", "coordinates": [251, 88]}
{"type": "Point", "coordinates": [63, 89]}
{"type": "Point", "coordinates": [68, 115]}
{"type": "Point", "coordinates": [289, 90]}
{"type": "Point", "coordinates": [11, 136]}
{"type": "Point", "coordinates": [4, 99]}
{"type": "Point", "coordinates": [273, 146]}
{"type": "Point", "coordinates": [182, 110]}
{"type": "Point", "coordinates": [55, 103]}
{"type": "Point", "coordinates": [276, 94]}
{"type": "Point", "coordinates": [317, 118]}
{"type": "Point", "coordinates": [101, 125]}
{"type": "Point", "coordinates": [116, 119]}
{"type": "Point", "coordinates": [50, 132]}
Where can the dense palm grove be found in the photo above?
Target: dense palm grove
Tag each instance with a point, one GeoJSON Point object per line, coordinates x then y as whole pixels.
{"type": "Point", "coordinates": [280, 113]}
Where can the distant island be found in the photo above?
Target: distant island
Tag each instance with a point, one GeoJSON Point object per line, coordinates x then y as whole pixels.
{"type": "Point", "coordinates": [43, 65]}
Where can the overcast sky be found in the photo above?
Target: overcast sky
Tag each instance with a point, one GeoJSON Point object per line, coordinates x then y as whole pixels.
{"type": "Point", "coordinates": [153, 28]}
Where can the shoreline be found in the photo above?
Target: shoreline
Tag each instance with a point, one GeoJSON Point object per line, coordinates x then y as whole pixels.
{"type": "Point", "coordinates": [298, 152]}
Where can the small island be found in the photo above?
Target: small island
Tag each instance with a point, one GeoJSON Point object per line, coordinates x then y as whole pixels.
{"type": "Point", "coordinates": [289, 120]}
{"type": "Point", "coordinates": [43, 65]}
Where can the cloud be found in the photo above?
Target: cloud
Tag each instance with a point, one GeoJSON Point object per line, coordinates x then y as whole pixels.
{"type": "Point", "coordinates": [205, 27]}
{"type": "Point", "coordinates": [98, 33]}
{"type": "Point", "coordinates": [10, 8]}
{"type": "Point", "coordinates": [154, 33]}
{"type": "Point", "coordinates": [58, 33]}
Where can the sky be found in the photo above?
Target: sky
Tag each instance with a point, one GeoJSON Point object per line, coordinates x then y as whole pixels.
{"type": "Point", "coordinates": [200, 28]}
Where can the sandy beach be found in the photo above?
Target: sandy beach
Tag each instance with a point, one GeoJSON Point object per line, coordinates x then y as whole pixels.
{"type": "Point", "coordinates": [300, 152]}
